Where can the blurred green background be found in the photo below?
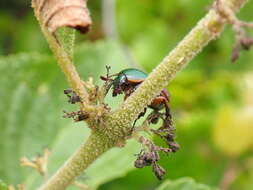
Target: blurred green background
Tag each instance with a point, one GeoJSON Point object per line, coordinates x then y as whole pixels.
{"type": "Point", "coordinates": [211, 99]}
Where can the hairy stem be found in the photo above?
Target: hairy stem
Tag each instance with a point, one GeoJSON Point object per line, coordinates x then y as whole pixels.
{"type": "Point", "coordinates": [116, 126]}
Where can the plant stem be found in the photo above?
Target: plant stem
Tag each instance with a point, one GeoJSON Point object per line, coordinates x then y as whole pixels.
{"type": "Point", "coordinates": [116, 126]}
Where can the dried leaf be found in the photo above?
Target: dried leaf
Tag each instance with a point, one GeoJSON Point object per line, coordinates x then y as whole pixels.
{"type": "Point", "coordinates": [59, 13]}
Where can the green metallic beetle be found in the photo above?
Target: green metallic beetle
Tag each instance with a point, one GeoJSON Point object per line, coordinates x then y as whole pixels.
{"type": "Point", "coordinates": [128, 80]}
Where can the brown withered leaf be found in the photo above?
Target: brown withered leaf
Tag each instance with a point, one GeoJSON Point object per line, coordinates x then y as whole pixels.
{"type": "Point", "coordinates": [63, 13]}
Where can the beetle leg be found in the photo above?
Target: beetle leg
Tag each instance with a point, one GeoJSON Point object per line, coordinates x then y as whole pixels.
{"type": "Point", "coordinates": [167, 110]}
{"type": "Point", "coordinates": [165, 94]}
{"type": "Point", "coordinates": [108, 79]}
{"type": "Point", "coordinates": [108, 86]}
{"type": "Point", "coordinates": [139, 116]}
{"type": "Point", "coordinates": [108, 83]}
{"type": "Point", "coordinates": [164, 100]}
{"type": "Point", "coordinates": [67, 91]}
{"type": "Point", "coordinates": [154, 117]}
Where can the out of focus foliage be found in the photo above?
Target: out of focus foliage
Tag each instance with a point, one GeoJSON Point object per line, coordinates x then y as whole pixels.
{"type": "Point", "coordinates": [3, 186]}
{"type": "Point", "coordinates": [211, 99]}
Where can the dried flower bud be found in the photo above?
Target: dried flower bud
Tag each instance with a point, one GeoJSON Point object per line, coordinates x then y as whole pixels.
{"type": "Point", "coordinates": [174, 146]}
{"type": "Point", "coordinates": [81, 116]}
{"type": "Point", "coordinates": [144, 159]}
{"type": "Point", "coordinates": [67, 91]}
{"type": "Point", "coordinates": [77, 116]}
{"type": "Point", "coordinates": [158, 171]}
{"type": "Point", "coordinates": [147, 158]}
{"type": "Point", "coordinates": [170, 137]}
{"type": "Point", "coordinates": [74, 98]}
{"type": "Point", "coordinates": [141, 163]}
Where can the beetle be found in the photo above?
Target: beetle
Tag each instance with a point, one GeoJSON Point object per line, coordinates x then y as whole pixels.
{"type": "Point", "coordinates": [128, 80]}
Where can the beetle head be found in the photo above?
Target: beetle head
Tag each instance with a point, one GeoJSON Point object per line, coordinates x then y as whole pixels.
{"type": "Point", "coordinates": [118, 83]}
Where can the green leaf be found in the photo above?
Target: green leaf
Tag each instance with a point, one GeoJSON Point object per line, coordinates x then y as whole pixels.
{"type": "Point", "coordinates": [32, 100]}
{"type": "Point", "coordinates": [3, 186]}
{"type": "Point", "coordinates": [183, 184]}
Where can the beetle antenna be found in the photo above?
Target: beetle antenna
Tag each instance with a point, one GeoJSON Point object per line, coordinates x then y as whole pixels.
{"type": "Point", "coordinates": [108, 76]}
{"type": "Point", "coordinates": [107, 70]}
